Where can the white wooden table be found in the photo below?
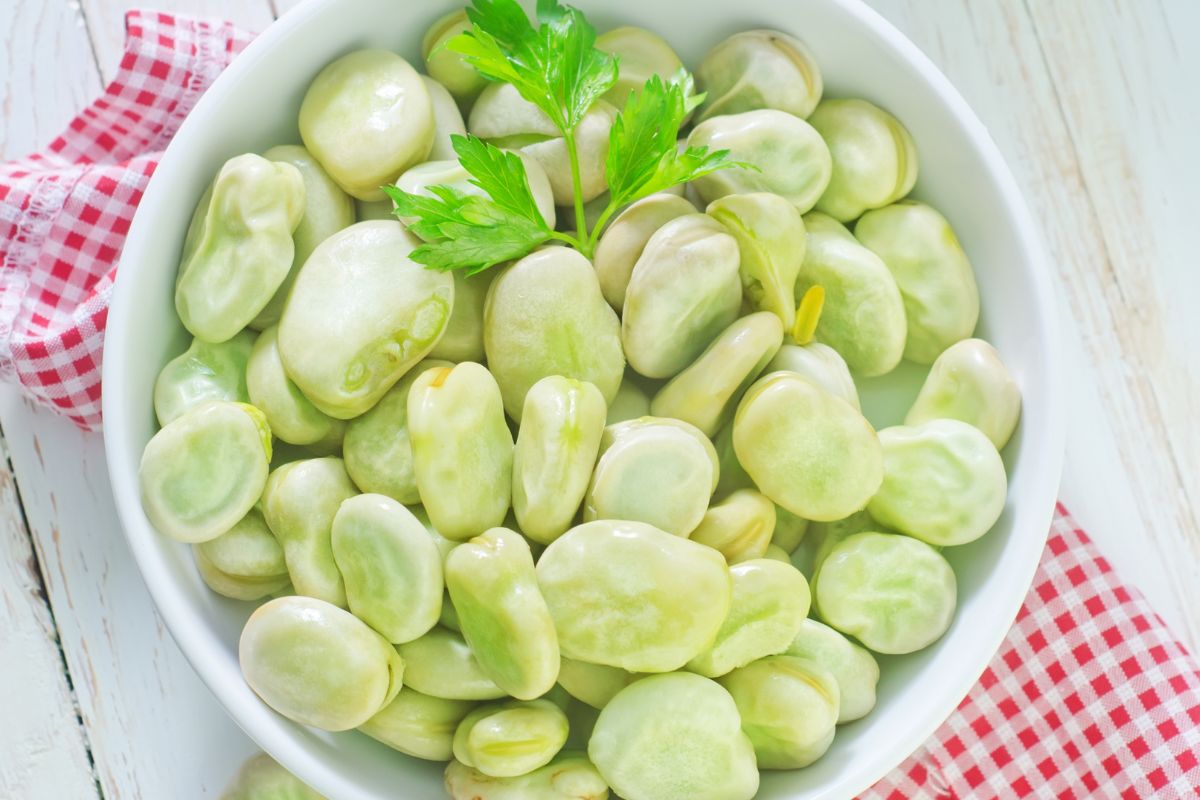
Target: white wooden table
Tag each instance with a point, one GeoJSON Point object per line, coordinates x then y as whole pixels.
{"type": "Point", "coordinates": [1093, 102]}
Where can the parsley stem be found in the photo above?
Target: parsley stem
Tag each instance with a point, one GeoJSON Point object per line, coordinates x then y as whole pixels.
{"type": "Point", "coordinates": [565, 238]}
{"type": "Point", "coordinates": [581, 231]}
{"type": "Point", "coordinates": [594, 238]}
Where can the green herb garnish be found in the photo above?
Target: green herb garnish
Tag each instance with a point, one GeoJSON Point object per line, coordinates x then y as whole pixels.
{"type": "Point", "coordinates": [557, 67]}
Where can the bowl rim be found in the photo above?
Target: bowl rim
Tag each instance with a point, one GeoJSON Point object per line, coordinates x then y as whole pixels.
{"type": "Point", "coordinates": [297, 754]}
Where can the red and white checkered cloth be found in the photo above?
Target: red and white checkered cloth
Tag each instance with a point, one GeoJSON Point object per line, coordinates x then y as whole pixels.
{"type": "Point", "coordinates": [1090, 696]}
{"type": "Point", "coordinates": [64, 212]}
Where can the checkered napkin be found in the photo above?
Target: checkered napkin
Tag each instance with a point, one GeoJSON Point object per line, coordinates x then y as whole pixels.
{"type": "Point", "coordinates": [64, 212]}
{"type": "Point", "coordinates": [1090, 696]}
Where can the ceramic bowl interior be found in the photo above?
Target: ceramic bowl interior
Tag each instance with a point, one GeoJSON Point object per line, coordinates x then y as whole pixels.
{"type": "Point", "coordinates": [254, 105]}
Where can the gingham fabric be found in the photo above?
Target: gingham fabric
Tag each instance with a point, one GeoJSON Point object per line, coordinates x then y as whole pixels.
{"type": "Point", "coordinates": [1089, 697]}
{"type": "Point", "coordinates": [64, 212]}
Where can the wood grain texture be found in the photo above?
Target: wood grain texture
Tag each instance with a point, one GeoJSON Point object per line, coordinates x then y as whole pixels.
{"type": "Point", "coordinates": [1130, 106]}
{"type": "Point", "coordinates": [44, 745]}
{"type": "Point", "coordinates": [106, 20]}
{"type": "Point", "coordinates": [156, 731]}
{"type": "Point", "coordinates": [1095, 180]}
{"type": "Point", "coordinates": [45, 754]}
{"type": "Point", "coordinates": [36, 103]}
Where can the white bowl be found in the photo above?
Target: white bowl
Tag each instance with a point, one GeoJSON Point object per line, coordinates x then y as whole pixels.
{"type": "Point", "coordinates": [254, 104]}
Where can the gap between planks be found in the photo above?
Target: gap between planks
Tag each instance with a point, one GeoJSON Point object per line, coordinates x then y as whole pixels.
{"type": "Point", "coordinates": [48, 747]}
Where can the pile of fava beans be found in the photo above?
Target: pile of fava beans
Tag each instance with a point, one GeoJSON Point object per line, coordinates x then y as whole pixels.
{"type": "Point", "coordinates": [579, 525]}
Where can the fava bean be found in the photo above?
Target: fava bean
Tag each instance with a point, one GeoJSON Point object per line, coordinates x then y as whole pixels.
{"type": "Point", "coordinates": [545, 316]}
{"type": "Point", "coordinates": [360, 315]}
{"type": "Point", "coordinates": [943, 482]}
{"type": "Point", "coordinates": [759, 69]}
{"type": "Point", "coordinates": [969, 382]}
{"type": "Point", "coordinates": [593, 684]}
{"type": "Point", "coordinates": [205, 470]}
{"type": "Point", "coordinates": [739, 526]}
{"type": "Point", "coordinates": [894, 594]}
{"type": "Point", "coordinates": [462, 449]}
{"type": "Point", "coordinates": [654, 471]}
{"type": "Point", "coordinates": [770, 601]}
{"type": "Point", "coordinates": [628, 749]}
{"type": "Point", "coordinates": [448, 67]}
{"type": "Point", "coordinates": [863, 316]}
{"type": "Point", "coordinates": [626, 238]}
{"type": "Point", "coordinates": [292, 416]}
{"type": "Point", "coordinates": [874, 157]}
{"type": "Point", "coordinates": [261, 778]}
{"type": "Point", "coordinates": [507, 740]}
{"type": "Point", "coordinates": [790, 530]}
{"type": "Point", "coordinates": [707, 392]}
{"type": "Point", "coordinates": [317, 664]}
{"type": "Point", "coordinates": [442, 664]}
{"type": "Point", "coordinates": [447, 121]}
{"type": "Point", "coordinates": [788, 707]}
{"type": "Point", "coordinates": [367, 117]}
{"type": "Point", "coordinates": [391, 568]}
{"type": "Point", "coordinates": [502, 613]}
{"type": "Point", "coordinates": [244, 563]}
{"type": "Point", "coordinates": [378, 448]}
{"type": "Point", "coordinates": [853, 667]}
{"type": "Point", "coordinates": [327, 209]}
{"type": "Point", "coordinates": [683, 292]}
{"type": "Point", "coordinates": [418, 725]}
{"type": "Point", "coordinates": [805, 449]}
{"type": "Point", "coordinates": [771, 240]}
{"type": "Point", "coordinates": [643, 54]}
{"type": "Point", "coordinates": [941, 300]}
{"type": "Point", "coordinates": [299, 504]}
{"type": "Point", "coordinates": [792, 158]}
{"type": "Point", "coordinates": [568, 777]}
{"type": "Point", "coordinates": [820, 364]}
{"type": "Point", "coordinates": [239, 246]}
{"type": "Point", "coordinates": [556, 449]}
{"type": "Point", "coordinates": [202, 373]}
{"type": "Point", "coordinates": [628, 595]}
{"type": "Point", "coordinates": [631, 402]}
{"type": "Point", "coordinates": [501, 116]}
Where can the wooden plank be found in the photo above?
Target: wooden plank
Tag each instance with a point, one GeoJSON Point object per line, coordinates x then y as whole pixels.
{"type": "Point", "coordinates": [156, 731]}
{"type": "Point", "coordinates": [1120, 477]}
{"type": "Point", "coordinates": [1129, 102]}
{"type": "Point", "coordinates": [106, 21]}
{"type": "Point", "coordinates": [36, 103]}
{"type": "Point", "coordinates": [43, 741]}
{"type": "Point", "coordinates": [45, 745]}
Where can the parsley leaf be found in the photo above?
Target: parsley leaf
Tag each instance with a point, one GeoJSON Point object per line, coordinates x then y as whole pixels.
{"type": "Point", "coordinates": [579, 73]}
{"type": "Point", "coordinates": [475, 247]}
{"type": "Point", "coordinates": [556, 66]}
{"type": "Point", "coordinates": [500, 173]}
{"type": "Point", "coordinates": [468, 231]}
{"type": "Point", "coordinates": [643, 156]}
{"type": "Point", "coordinates": [464, 231]}
{"type": "Point", "coordinates": [427, 212]}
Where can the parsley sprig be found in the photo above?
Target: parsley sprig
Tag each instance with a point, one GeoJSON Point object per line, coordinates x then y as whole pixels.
{"type": "Point", "coordinates": [471, 231]}
{"type": "Point", "coordinates": [557, 67]}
